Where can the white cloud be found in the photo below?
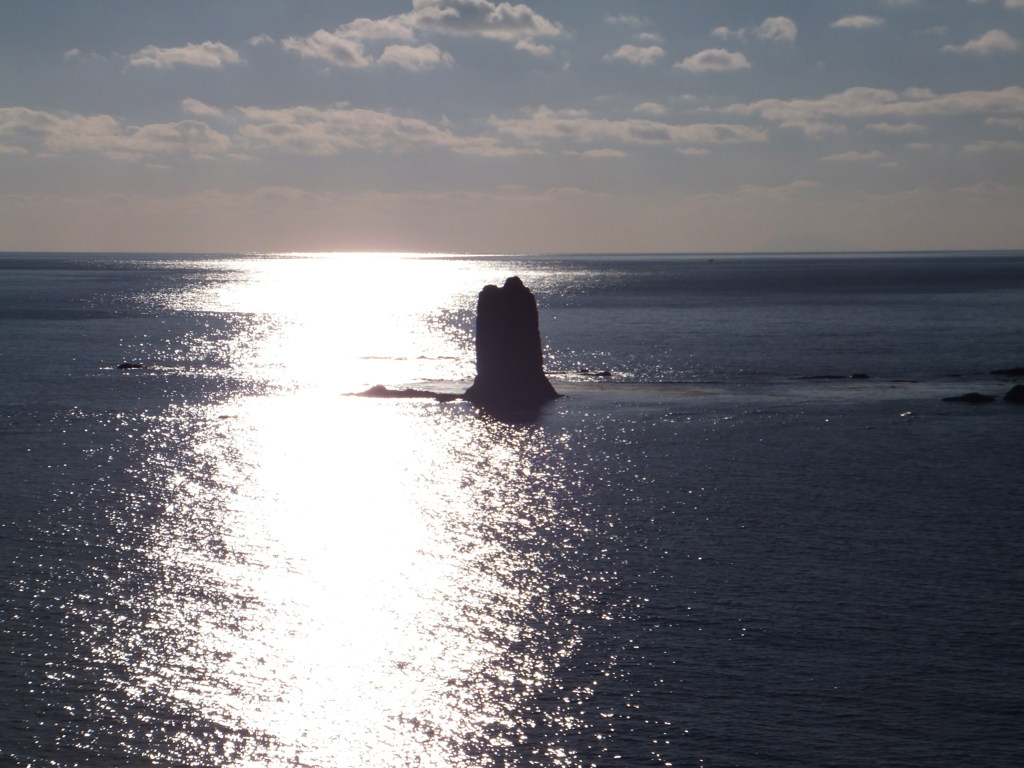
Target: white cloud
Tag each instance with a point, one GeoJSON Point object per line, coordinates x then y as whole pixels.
{"type": "Point", "coordinates": [196, 107]}
{"type": "Point", "coordinates": [209, 55]}
{"type": "Point", "coordinates": [714, 60]}
{"type": "Point", "coordinates": [74, 53]}
{"type": "Point", "coordinates": [499, 21]}
{"type": "Point", "coordinates": [344, 47]}
{"type": "Point", "coordinates": [415, 58]}
{"type": "Point", "coordinates": [854, 157]}
{"type": "Point", "coordinates": [694, 151]}
{"type": "Point", "coordinates": [896, 130]}
{"type": "Point", "coordinates": [600, 153]}
{"type": "Point", "coordinates": [341, 128]}
{"type": "Point", "coordinates": [649, 108]}
{"type": "Point", "coordinates": [995, 146]}
{"type": "Point", "coordinates": [873, 103]}
{"type": "Point", "coordinates": [777, 28]}
{"type": "Point", "coordinates": [545, 124]}
{"type": "Point", "coordinates": [993, 41]}
{"type": "Point", "coordinates": [858, 22]}
{"type": "Point", "coordinates": [641, 56]}
{"type": "Point", "coordinates": [724, 33]}
{"type": "Point", "coordinates": [261, 40]}
{"type": "Point", "coordinates": [36, 131]}
{"type": "Point", "coordinates": [328, 46]}
{"type": "Point", "coordinates": [533, 47]}
{"type": "Point", "coordinates": [626, 20]}
{"type": "Point", "coordinates": [1015, 123]}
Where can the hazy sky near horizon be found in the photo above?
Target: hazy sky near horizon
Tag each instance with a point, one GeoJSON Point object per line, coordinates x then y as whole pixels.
{"type": "Point", "coordinates": [480, 126]}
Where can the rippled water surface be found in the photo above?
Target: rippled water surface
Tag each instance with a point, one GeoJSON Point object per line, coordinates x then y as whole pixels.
{"type": "Point", "coordinates": [711, 558]}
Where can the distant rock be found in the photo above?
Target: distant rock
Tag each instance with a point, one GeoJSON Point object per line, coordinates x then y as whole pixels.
{"type": "Point", "coordinates": [1008, 372]}
{"type": "Point", "coordinates": [834, 376]}
{"type": "Point", "coordinates": [510, 378]}
{"type": "Point", "coordinates": [380, 390]}
{"type": "Point", "coordinates": [970, 397]}
{"type": "Point", "coordinates": [1015, 395]}
{"type": "Point", "coordinates": [129, 366]}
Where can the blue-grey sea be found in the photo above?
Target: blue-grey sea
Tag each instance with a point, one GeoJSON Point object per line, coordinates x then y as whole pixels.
{"type": "Point", "coordinates": [764, 540]}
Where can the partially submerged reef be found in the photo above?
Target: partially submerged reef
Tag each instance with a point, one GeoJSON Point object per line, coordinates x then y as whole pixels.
{"type": "Point", "coordinates": [510, 379]}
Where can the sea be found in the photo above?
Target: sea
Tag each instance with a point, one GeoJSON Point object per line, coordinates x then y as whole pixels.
{"type": "Point", "coordinates": [763, 539]}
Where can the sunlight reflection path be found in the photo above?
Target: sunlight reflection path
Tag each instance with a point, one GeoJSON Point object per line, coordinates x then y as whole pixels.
{"type": "Point", "coordinates": [349, 582]}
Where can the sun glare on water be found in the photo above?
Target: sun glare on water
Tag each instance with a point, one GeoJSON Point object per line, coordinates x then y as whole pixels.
{"type": "Point", "coordinates": [341, 581]}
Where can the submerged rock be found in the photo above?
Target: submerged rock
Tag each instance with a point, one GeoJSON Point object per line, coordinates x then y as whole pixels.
{"type": "Point", "coordinates": [129, 366]}
{"type": "Point", "coordinates": [1015, 395]}
{"type": "Point", "coordinates": [379, 390]}
{"type": "Point", "coordinates": [970, 397]}
{"type": "Point", "coordinates": [509, 361]}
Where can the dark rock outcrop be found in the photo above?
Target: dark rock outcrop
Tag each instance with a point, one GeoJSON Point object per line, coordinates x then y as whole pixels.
{"type": "Point", "coordinates": [970, 397]}
{"type": "Point", "coordinates": [1008, 372]}
{"type": "Point", "coordinates": [1015, 395]}
{"type": "Point", "coordinates": [129, 366]}
{"type": "Point", "coordinates": [510, 376]}
{"type": "Point", "coordinates": [379, 390]}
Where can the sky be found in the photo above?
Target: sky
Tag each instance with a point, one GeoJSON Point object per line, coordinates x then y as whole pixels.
{"type": "Point", "coordinates": [473, 126]}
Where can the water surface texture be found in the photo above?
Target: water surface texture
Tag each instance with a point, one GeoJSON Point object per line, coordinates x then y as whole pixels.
{"type": "Point", "coordinates": [731, 552]}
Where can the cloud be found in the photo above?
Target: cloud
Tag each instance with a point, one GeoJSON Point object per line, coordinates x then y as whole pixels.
{"type": "Point", "coordinates": [858, 22]}
{"type": "Point", "coordinates": [545, 124]}
{"type": "Point", "coordinates": [625, 20]}
{"type": "Point", "coordinates": [345, 46]}
{"type": "Point", "coordinates": [415, 58]}
{"type": "Point", "coordinates": [600, 153]}
{"type": "Point", "coordinates": [641, 56]}
{"type": "Point", "coordinates": [874, 103]}
{"type": "Point", "coordinates": [260, 40]}
{"type": "Point", "coordinates": [342, 128]}
{"type": "Point", "coordinates": [854, 157]}
{"type": "Point", "coordinates": [209, 55]}
{"type": "Point", "coordinates": [533, 47]}
{"type": "Point", "coordinates": [995, 146]}
{"type": "Point", "coordinates": [714, 60]}
{"type": "Point", "coordinates": [777, 28]}
{"type": "Point", "coordinates": [993, 41]}
{"type": "Point", "coordinates": [898, 130]}
{"type": "Point", "coordinates": [330, 47]}
{"type": "Point", "coordinates": [649, 108]}
{"type": "Point", "coordinates": [724, 33]}
{"type": "Point", "coordinates": [196, 107]}
{"type": "Point", "coordinates": [47, 133]}
{"type": "Point", "coordinates": [499, 21]}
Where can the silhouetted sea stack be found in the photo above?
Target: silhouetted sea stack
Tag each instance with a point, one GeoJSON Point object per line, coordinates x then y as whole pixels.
{"type": "Point", "coordinates": [510, 376]}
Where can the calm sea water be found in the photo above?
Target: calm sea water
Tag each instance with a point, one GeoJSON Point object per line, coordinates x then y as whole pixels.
{"type": "Point", "coordinates": [714, 557]}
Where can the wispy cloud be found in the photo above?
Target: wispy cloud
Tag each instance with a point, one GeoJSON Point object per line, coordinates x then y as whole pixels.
{"type": "Point", "coordinates": [578, 126]}
{"type": "Point", "coordinates": [873, 103]}
{"type": "Point", "coordinates": [993, 41]}
{"type": "Point", "coordinates": [854, 157]}
{"type": "Point", "coordinates": [777, 28]}
{"type": "Point", "coordinates": [210, 55]}
{"type": "Point", "coordinates": [39, 132]}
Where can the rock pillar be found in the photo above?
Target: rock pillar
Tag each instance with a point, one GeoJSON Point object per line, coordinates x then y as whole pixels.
{"type": "Point", "coordinates": [509, 361]}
